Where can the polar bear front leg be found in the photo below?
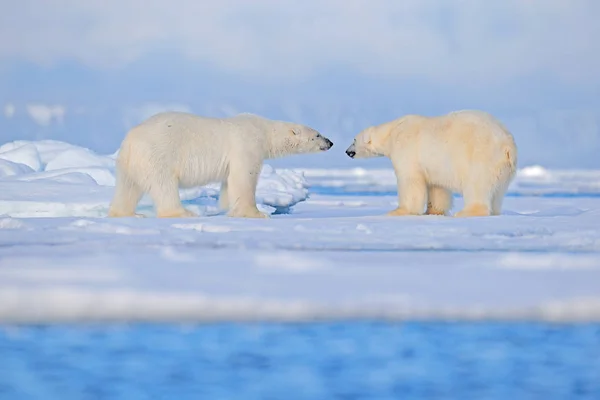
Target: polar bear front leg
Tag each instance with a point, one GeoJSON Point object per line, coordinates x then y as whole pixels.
{"type": "Point", "coordinates": [241, 191]}
{"type": "Point", "coordinates": [412, 194]}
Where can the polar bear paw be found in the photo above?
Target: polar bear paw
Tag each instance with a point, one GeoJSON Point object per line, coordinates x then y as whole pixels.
{"type": "Point", "coordinates": [182, 213]}
{"type": "Point", "coordinates": [475, 210]}
{"type": "Point", "coordinates": [399, 212]}
{"type": "Point", "coordinates": [434, 211]}
{"type": "Point", "coordinates": [117, 214]}
{"type": "Point", "coordinates": [251, 213]}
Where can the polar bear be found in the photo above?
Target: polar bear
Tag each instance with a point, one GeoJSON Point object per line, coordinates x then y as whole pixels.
{"type": "Point", "coordinates": [176, 149]}
{"type": "Point", "coordinates": [467, 152]}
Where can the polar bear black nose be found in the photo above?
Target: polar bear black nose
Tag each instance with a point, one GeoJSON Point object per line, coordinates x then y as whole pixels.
{"type": "Point", "coordinates": [328, 144]}
{"type": "Point", "coordinates": [351, 153]}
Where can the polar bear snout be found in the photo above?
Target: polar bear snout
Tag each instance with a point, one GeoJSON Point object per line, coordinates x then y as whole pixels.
{"type": "Point", "coordinates": [351, 151]}
{"type": "Point", "coordinates": [328, 144]}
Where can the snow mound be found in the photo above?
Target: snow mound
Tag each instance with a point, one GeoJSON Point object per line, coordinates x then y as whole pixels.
{"type": "Point", "coordinates": [26, 155]}
{"type": "Point", "coordinates": [280, 189]}
{"type": "Point", "coordinates": [64, 175]}
{"type": "Point", "coordinates": [47, 149]}
{"type": "Point", "coordinates": [82, 176]}
{"type": "Point", "coordinates": [79, 158]}
{"type": "Point", "coordinates": [535, 171]}
{"type": "Point", "coordinates": [9, 168]}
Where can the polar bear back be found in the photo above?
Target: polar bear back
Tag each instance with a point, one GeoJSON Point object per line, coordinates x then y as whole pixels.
{"type": "Point", "coordinates": [194, 149]}
{"type": "Point", "coordinates": [186, 131]}
{"type": "Point", "coordinates": [466, 134]}
{"type": "Point", "coordinates": [457, 146]}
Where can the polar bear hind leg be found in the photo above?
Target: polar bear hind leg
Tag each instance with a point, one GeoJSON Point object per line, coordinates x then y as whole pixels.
{"type": "Point", "coordinates": [497, 203]}
{"type": "Point", "coordinates": [439, 200]}
{"type": "Point", "coordinates": [498, 197]}
{"type": "Point", "coordinates": [126, 198]}
{"type": "Point", "coordinates": [484, 195]}
{"type": "Point", "coordinates": [477, 197]}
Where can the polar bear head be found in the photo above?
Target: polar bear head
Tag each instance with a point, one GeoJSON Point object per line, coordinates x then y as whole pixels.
{"type": "Point", "coordinates": [371, 142]}
{"type": "Point", "coordinates": [292, 138]}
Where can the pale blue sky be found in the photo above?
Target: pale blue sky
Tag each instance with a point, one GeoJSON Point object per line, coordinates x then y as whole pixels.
{"type": "Point", "coordinates": [84, 71]}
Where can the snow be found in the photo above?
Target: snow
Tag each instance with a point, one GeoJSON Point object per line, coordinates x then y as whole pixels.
{"type": "Point", "coordinates": [328, 255]}
{"type": "Point", "coordinates": [78, 158]}
{"type": "Point", "coordinates": [27, 155]}
{"type": "Point", "coordinates": [9, 168]}
{"type": "Point", "coordinates": [47, 149]}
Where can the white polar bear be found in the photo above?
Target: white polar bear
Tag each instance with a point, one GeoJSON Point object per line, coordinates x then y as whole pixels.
{"type": "Point", "coordinates": [467, 152]}
{"type": "Point", "coordinates": [175, 149]}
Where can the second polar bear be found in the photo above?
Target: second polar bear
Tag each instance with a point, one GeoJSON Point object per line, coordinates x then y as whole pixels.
{"type": "Point", "coordinates": [175, 149]}
{"type": "Point", "coordinates": [467, 152]}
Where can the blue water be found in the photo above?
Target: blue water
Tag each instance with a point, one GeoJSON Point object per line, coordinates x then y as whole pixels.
{"type": "Point", "coordinates": [352, 360]}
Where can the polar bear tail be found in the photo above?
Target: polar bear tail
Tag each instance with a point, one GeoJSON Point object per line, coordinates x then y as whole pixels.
{"type": "Point", "coordinates": [511, 157]}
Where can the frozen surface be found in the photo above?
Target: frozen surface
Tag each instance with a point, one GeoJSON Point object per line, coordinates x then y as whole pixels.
{"type": "Point", "coordinates": [333, 255]}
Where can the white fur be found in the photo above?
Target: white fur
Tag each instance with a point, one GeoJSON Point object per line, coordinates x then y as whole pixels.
{"type": "Point", "coordinates": [175, 149]}
{"type": "Point", "coordinates": [467, 152]}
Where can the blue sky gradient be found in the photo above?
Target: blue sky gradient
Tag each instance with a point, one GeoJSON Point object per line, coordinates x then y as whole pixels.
{"type": "Point", "coordinates": [336, 65]}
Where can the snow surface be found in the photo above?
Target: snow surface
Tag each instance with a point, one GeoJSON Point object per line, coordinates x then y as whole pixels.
{"type": "Point", "coordinates": [330, 255]}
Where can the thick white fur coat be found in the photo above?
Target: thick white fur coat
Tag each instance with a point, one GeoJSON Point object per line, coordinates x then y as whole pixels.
{"type": "Point", "coordinates": [467, 152]}
{"type": "Point", "coordinates": [173, 149]}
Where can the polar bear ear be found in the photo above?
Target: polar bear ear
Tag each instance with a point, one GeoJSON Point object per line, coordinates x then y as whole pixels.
{"type": "Point", "coordinates": [294, 132]}
{"type": "Point", "coordinates": [366, 137]}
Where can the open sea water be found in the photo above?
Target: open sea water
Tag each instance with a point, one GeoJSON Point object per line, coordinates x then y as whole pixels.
{"type": "Point", "coordinates": [342, 360]}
